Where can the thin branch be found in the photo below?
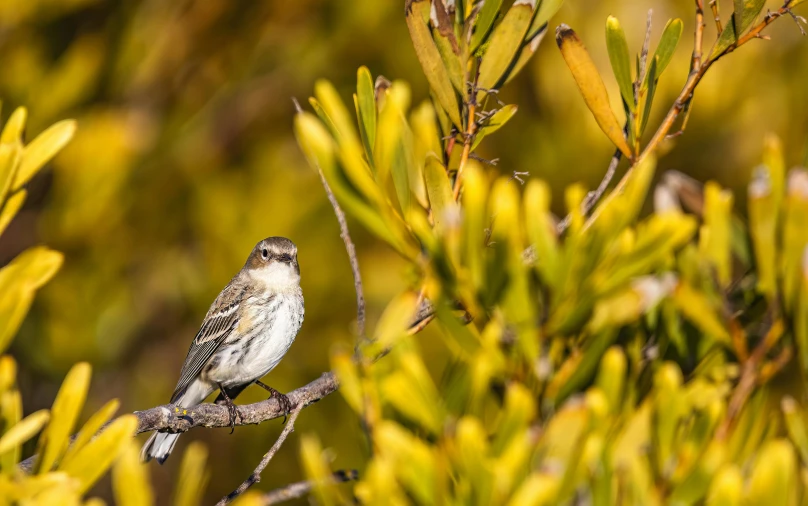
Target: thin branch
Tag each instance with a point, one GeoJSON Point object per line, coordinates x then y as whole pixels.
{"type": "Point", "coordinates": [593, 197]}
{"type": "Point", "coordinates": [699, 70]}
{"type": "Point", "coordinates": [255, 477]}
{"type": "Point", "coordinates": [302, 488]}
{"type": "Point", "coordinates": [646, 45]}
{"type": "Point", "coordinates": [349, 245]}
{"type": "Point", "coordinates": [716, 16]}
{"type": "Point", "coordinates": [698, 38]}
{"type": "Point", "coordinates": [468, 137]}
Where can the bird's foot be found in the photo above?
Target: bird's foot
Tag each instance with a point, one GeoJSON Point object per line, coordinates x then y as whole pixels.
{"type": "Point", "coordinates": [283, 400]}
{"type": "Point", "coordinates": [231, 408]}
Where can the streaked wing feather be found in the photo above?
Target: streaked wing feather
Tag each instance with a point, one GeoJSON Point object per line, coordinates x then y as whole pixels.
{"type": "Point", "coordinates": [215, 329]}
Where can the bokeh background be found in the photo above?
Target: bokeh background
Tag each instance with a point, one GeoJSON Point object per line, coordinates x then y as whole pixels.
{"type": "Point", "coordinates": [184, 159]}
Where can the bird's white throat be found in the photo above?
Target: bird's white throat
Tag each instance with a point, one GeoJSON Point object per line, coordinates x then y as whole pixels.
{"type": "Point", "coordinates": [277, 277]}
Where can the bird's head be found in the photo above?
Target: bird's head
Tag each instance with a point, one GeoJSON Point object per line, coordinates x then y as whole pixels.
{"type": "Point", "coordinates": [273, 263]}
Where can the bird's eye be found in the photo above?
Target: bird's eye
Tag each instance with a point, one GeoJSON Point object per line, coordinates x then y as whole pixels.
{"type": "Point", "coordinates": [264, 253]}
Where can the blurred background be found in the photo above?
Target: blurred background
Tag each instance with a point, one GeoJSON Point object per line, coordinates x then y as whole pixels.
{"type": "Point", "coordinates": [185, 158]}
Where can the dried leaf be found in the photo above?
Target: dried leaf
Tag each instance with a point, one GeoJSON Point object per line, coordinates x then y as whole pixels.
{"type": "Point", "coordinates": [591, 85]}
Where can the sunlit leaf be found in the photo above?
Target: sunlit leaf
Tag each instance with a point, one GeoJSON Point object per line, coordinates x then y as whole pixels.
{"type": "Point", "coordinates": [494, 123]}
{"type": "Point", "coordinates": [90, 429]}
{"type": "Point", "coordinates": [93, 460]}
{"type": "Point", "coordinates": [64, 413]}
{"type": "Point", "coordinates": [10, 209]}
{"type": "Point", "coordinates": [24, 430]}
{"type": "Point", "coordinates": [591, 85]}
{"type": "Point", "coordinates": [130, 479]}
{"type": "Point", "coordinates": [484, 22]}
{"type": "Point", "coordinates": [193, 476]}
{"type": "Point", "coordinates": [618, 54]}
{"type": "Point", "coordinates": [746, 11]}
{"type": "Point", "coordinates": [12, 132]}
{"type": "Point", "coordinates": [504, 43]}
{"type": "Point", "coordinates": [667, 44]}
{"type": "Point", "coordinates": [366, 108]}
{"type": "Point", "coordinates": [42, 149]}
{"type": "Point", "coordinates": [429, 56]}
{"type": "Point", "coordinates": [439, 189]}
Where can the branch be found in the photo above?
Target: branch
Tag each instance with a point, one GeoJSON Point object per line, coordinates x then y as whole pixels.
{"type": "Point", "coordinates": [349, 247]}
{"type": "Point", "coordinates": [255, 477]}
{"type": "Point", "coordinates": [346, 238]}
{"type": "Point", "coordinates": [301, 488]}
{"type": "Point", "coordinates": [695, 77]}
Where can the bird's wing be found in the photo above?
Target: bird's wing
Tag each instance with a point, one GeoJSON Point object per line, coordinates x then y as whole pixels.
{"type": "Point", "coordinates": [219, 323]}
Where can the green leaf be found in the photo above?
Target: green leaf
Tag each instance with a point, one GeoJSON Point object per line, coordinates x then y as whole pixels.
{"type": "Point", "coordinates": [667, 44]}
{"type": "Point", "coordinates": [648, 97]}
{"type": "Point", "coordinates": [618, 54]}
{"type": "Point", "coordinates": [591, 86]}
{"type": "Point", "coordinates": [484, 22]}
{"type": "Point", "coordinates": [42, 149]}
{"type": "Point", "coordinates": [526, 52]}
{"type": "Point", "coordinates": [439, 190]}
{"type": "Point", "coordinates": [547, 9]}
{"type": "Point", "coordinates": [451, 61]}
{"type": "Point", "coordinates": [64, 413]}
{"type": "Point", "coordinates": [431, 62]}
{"type": "Point", "coordinates": [746, 11]}
{"type": "Point", "coordinates": [494, 123]}
{"type": "Point", "coordinates": [366, 110]}
{"type": "Point", "coordinates": [763, 230]}
{"type": "Point", "coordinates": [505, 42]}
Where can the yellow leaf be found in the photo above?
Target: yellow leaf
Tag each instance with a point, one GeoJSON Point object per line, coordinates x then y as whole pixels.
{"type": "Point", "coordinates": [9, 158]}
{"type": "Point", "coordinates": [90, 429]}
{"type": "Point", "coordinates": [193, 476]}
{"type": "Point", "coordinates": [311, 455]}
{"type": "Point", "coordinates": [92, 461]}
{"type": "Point", "coordinates": [10, 415]}
{"type": "Point", "coordinates": [431, 62]}
{"type": "Point", "coordinates": [349, 383]}
{"type": "Point", "coordinates": [64, 413]}
{"type": "Point", "coordinates": [12, 132]}
{"type": "Point", "coordinates": [439, 190]}
{"type": "Point", "coordinates": [505, 42]}
{"type": "Point", "coordinates": [591, 85]}
{"type": "Point", "coordinates": [130, 479]}
{"type": "Point", "coordinates": [42, 149]}
{"type": "Point", "coordinates": [27, 428]}
{"type": "Point", "coordinates": [395, 319]}
{"type": "Point", "coordinates": [774, 475]}
{"type": "Point", "coordinates": [538, 489]}
{"type": "Point", "coordinates": [9, 210]}
{"type": "Point", "coordinates": [726, 488]}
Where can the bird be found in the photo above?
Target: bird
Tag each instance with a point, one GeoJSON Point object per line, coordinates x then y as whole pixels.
{"type": "Point", "coordinates": [245, 334]}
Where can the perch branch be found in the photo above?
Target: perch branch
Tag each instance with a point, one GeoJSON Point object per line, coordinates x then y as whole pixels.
{"type": "Point", "coordinates": [255, 477]}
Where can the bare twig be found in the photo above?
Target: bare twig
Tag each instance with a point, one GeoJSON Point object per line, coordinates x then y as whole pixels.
{"type": "Point", "coordinates": [301, 488]}
{"type": "Point", "coordinates": [349, 247]}
{"type": "Point", "coordinates": [255, 477]}
{"type": "Point", "coordinates": [345, 234]}
{"type": "Point", "coordinates": [716, 16]}
{"type": "Point", "coordinates": [468, 137]}
{"type": "Point", "coordinates": [699, 70]}
{"type": "Point", "coordinates": [698, 38]}
{"type": "Point", "coordinates": [646, 45]}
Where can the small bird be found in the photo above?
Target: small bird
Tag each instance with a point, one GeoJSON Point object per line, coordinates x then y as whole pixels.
{"type": "Point", "coordinates": [247, 331]}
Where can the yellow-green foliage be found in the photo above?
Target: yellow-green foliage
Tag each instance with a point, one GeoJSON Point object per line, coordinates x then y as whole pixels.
{"type": "Point", "coordinates": [627, 361]}
{"type": "Point", "coordinates": [63, 471]}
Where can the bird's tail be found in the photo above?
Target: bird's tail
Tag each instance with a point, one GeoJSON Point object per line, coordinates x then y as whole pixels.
{"type": "Point", "coordinates": [158, 446]}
